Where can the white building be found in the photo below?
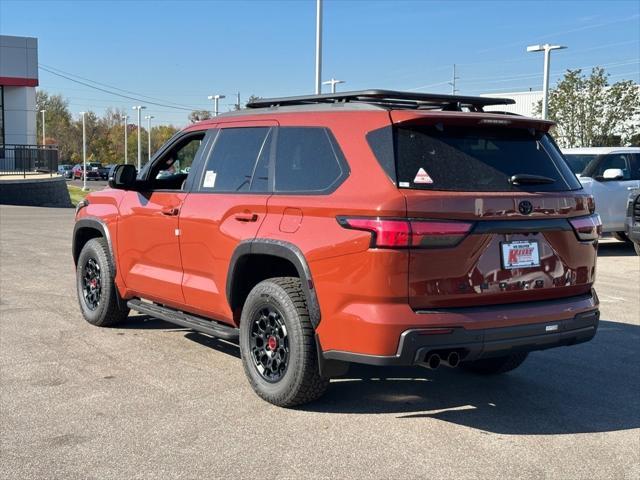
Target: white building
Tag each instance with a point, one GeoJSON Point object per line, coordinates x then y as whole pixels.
{"type": "Point", "coordinates": [526, 102]}
{"type": "Point", "coordinates": [18, 82]}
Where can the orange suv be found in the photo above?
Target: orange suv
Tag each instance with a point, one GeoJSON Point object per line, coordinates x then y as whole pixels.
{"type": "Point", "coordinates": [376, 227]}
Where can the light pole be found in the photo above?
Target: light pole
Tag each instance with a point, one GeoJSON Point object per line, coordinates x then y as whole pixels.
{"type": "Point", "coordinates": [333, 82]}
{"type": "Point", "coordinates": [215, 99]}
{"type": "Point", "coordinates": [84, 154]}
{"type": "Point", "coordinates": [546, 48]}
{"type": "Point", "coordinates": [318, 47]}
{"type": "Point", "coordinates": [139, 108]}
{"type": "Point", "coordinates": [125, 118]}
{"type": "Point", "coordinates": [148, 119]}
{"type": "Point", "coordinates": [44, 142]}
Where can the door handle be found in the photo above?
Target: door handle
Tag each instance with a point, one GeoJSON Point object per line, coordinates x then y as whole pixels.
{"type": "Point", "coordinates": [172, 211]}
{"type": "Point", "coordinates": [246, 217]}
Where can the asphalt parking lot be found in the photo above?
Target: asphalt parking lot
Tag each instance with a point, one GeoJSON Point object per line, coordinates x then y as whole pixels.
{"type": "Point", "coordinates": [154, 401]}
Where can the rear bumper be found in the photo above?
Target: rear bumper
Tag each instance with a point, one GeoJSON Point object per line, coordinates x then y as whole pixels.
{"type": "Point", "coordinates": [416, 344]}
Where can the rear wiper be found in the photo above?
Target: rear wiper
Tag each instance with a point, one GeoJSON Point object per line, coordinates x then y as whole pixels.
{"type": "Point", "coordinates": [526, 179]}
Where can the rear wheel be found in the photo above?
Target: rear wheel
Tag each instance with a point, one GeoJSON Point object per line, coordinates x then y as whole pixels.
{"type": "Point", "coordinates": [497, 365]}
{"type": "Point", "coordinates": [277, 344]}
{"type": "Point", "coordinates": [620, 236]}
{"type": "Point", "coordinates": [97, 294]}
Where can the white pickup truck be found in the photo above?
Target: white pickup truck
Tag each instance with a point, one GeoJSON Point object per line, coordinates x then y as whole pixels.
{"type": "Point", "coordinates": [609, 174]}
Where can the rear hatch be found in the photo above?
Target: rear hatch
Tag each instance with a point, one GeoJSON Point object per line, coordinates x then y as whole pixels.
{"type": "Point", "coordinates": [496, 215]}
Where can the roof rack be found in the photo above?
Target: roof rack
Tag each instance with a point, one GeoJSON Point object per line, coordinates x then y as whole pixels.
{"type": "Point", "coordinates": [388, 99]}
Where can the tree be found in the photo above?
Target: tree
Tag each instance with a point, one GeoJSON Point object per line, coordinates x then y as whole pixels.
{"type": "Point", "coordinates": [589, 112]}
{"type": "Point", "coordinates": [252, 98]}
{"type": "Point", "coordinates": [199, 115]}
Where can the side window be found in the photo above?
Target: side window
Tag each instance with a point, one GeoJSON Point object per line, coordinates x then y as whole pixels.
{"type": "Point", "coordinates": [634, 159]}
{"type": "Point", "coordinates": [230, 166]}
{"type": "Point", "coordinates": [307, 160]}
{"type": "Point", "coordinates": [614, 161]}
{"type": "Point", "coordinates": [172, 169]}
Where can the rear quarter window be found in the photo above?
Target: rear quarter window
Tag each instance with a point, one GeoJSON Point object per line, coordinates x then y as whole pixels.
{"type": "Point", "coordinates": [478, 159]}
{"type": "Point", "coordinates": [308, 160]}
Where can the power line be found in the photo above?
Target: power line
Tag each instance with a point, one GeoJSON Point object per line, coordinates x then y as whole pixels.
{"type": "Point", "coordinates": [188, 109]}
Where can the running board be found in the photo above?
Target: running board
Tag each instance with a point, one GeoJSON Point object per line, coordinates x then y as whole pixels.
{"type": "Point", "coordinates": [183, 319]}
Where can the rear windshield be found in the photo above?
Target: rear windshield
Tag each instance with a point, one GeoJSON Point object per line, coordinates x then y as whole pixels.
{"type": "Point", "coordinates": [478, 159]}
{"type": "Point", "coordinates": [578, 163]}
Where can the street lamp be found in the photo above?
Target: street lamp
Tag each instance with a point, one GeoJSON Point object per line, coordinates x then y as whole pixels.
{"type": "Point", "coordinates": [318, 47]}
{"type": "Point", "coordinates": [148, 119]}
{"type": "Point", "coordinates": [546, 48]}
{"type": "Point", "coordinates": [84, 154]}
{"type": "Point", "coordinates": [333, 82]}
{"type": "Point", "coordinates": [215, 99]}
{"type": "Point", "coordinates": [139, 108]}
{"type": "Point", "coordinates": [125, 118]}
{"type": "Point", "coordinates": [44, 142]}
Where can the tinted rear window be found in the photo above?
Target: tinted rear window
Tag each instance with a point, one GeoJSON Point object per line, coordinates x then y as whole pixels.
{"type": "Point", "coordinates": [478, 159]}
{"type": "Point", "coordinates": [307, 160]}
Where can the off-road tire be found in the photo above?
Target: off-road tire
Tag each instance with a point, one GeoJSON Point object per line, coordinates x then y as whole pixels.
{"type": "Point", "coordinates": [497, 365]}
{"type": "Point", "coordinates": [301, 381]}
{"type": "Point", "coordinates": [110, 310]}
{"type": "Point", "coordinates": [636, 247]}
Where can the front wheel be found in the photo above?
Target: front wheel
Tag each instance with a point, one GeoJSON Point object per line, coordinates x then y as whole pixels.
{"type": "Point", "coordinates": [636, 246]}
{"type": "Point", "coordinates": [277, 344]}
{"type": "Point", "coordinates": [497, 365]}
{"type": "Point", "coordinates": [97, 293]}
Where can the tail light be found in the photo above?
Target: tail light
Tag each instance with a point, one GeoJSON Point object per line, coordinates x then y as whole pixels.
{"type": "Point", "coordinates": [587, 228]}
{"type": "Point", "coordinates": [405, 233]}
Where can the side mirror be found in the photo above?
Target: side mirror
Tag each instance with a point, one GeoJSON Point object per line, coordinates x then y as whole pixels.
{"type": "Point", "coordinates": [613, 174]}
{"type": "Point", "coordinates": [123, 177]}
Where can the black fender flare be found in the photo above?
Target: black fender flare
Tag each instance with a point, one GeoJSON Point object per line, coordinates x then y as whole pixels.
{"type": "Point", "coordinates": [92, 223]}
{"type": "Point", "coordinates": [281, 249]}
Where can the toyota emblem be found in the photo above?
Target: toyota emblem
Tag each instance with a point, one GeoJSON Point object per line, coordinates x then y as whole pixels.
{"type": "Point", "coordinates": [525, 207]}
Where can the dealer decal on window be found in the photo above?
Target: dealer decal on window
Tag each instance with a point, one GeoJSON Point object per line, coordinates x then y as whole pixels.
{"type": "Point", "coordinates": [422, 177]}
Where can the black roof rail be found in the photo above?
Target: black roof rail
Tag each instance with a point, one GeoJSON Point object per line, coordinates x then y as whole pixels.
{"type": "Point", "coordinates": [389, 99]}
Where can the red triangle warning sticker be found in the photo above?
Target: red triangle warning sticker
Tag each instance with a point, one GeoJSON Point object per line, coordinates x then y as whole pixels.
{"type": "Point", "coordinates": [422, 177]}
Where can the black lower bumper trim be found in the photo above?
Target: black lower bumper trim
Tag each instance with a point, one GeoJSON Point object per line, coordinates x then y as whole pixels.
{"type": "Point", "coordinates": [416, 345]}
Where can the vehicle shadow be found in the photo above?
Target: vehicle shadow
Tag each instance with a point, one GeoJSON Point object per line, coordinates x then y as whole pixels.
{"type": "Point", "coordinates": [146, 322]}
{"type": "Point", "coordinates": [591, 387]}
{"type": "Point", "coordinates": [616, 249]}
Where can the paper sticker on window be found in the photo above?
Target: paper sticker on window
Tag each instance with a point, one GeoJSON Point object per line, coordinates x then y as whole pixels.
{"type": "Point", "coordinates": [209, 179]}
{"type": "Point", "coordinates": [422, 177]}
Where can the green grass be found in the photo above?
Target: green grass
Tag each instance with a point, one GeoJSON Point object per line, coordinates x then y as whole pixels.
{"type": "Point", "coordinates": [76, 194]}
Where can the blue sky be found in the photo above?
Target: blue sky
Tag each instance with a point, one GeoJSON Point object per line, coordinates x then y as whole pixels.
{"type": "Point", "coordinates": [179, 52]}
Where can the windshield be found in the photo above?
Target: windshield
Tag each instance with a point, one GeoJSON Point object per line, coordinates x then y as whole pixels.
{"type": "Point", "coordinates": [479, 159]}
{"type": "Point", "coordinates": [578, 163]}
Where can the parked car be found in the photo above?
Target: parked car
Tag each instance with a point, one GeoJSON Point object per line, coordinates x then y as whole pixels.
{"type": "Point", "coordinates": [609, 174]}
{"type": "Point", "coordinates": [91, 173]}
{"type": "Point", "coordinates": [375, 227]}
{"type": "Point", "coordinates": [632, 223]}
{"type": "Point", "coordinates": [65, 171]}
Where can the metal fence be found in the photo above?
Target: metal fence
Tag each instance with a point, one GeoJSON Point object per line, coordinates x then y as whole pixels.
{"type": "Point", "coordinates": [28, 159]}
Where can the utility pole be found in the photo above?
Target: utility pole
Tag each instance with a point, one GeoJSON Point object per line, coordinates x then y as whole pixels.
{"type": "Point", "coordinates": [546, 48]}
{"type": "Point", "coordinates": [318, 47]}
{"type": "Point", "coordinates": [84, 154]}
{"type": "Point", "coordinates": [238, 100]}
{"type": "Point", "coordinates": [454, 90]}
{"type": "Point", "coordinates": [215, 99]}
{"type": "Point", "coordinates": [139, 108]}
{"type": "Point", "coordinates": [333, 82]}
{"type": "Point", "coordinates": [126, 146]}
{"type": "Point", "coordinates": [148, 119]}
{"type": "Point", "coordinates": [44, 141]}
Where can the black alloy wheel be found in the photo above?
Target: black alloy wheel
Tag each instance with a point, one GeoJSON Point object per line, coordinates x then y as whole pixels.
{"type": "Point", "coordinates": [91, 284]}
{"type": "Point", "coordinates": [269, 344]}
